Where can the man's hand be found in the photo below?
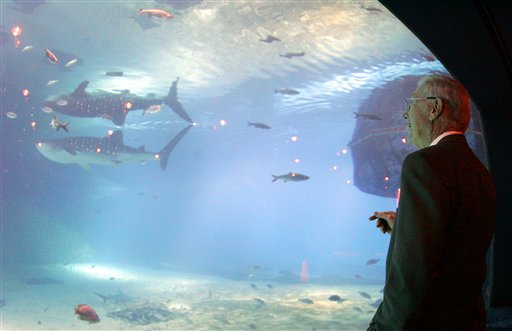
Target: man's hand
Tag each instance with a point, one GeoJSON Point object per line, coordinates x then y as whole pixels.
{"type": "Point", "coordinates": [385, 220]}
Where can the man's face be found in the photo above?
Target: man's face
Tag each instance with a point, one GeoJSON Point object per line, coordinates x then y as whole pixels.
{"type": "Point", "coordinates": [417, 117]}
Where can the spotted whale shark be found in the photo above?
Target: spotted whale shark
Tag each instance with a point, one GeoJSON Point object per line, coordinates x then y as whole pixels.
{"type": "Point", "coordinates": [109, 150]}
{"type": "Point", "coordinates": [113, 106]}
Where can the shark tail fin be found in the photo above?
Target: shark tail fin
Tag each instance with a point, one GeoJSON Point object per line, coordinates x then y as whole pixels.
{"type": "Point", "coordinates": [172, 101]}
{"type": "Point", "coordinates": [65, 127]}
{"type": "Point", "coordinates": [275, 178]}
{"type": "Point", "coordinates": [167, 150]}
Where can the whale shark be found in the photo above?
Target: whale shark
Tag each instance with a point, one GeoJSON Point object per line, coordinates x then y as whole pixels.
{"type": "Point", "coordinates": [109, 150]}
{"type": "Point", "coordinates": [113, 106]}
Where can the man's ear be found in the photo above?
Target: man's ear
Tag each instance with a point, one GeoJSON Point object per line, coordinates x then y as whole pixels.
{"type": "Point", "coordinates": [436, 109]}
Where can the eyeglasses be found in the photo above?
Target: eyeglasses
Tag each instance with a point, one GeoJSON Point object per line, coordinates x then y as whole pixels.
{"type": "Point", "coordinates": [410, 101]}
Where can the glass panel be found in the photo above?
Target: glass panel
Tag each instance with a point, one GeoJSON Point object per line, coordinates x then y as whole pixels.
{"type": "Point", "coordinates": [254, 217]}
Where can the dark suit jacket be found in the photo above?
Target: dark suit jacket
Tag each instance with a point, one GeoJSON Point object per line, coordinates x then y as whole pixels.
{"type": "Point", "coordinates": [436, 261]}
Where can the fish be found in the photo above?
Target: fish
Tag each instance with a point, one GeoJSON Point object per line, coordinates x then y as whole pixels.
{"type": "Point", "coordinates": [307, 301]}
{"type": "Point", "coordinates": [336, 298]}
{"type": "Point", "coordinates": [27, 48]}
{"type": "Point", "coordinates": [120, 297]}
{"type": "Point", "coordinates": [110, 150]}
{"type": "Point", "coordinates": [258, 125]}
{"type": "Point", "coordinates": [372, 261]}
{"type": "Point", "coordinates": [358, 309]}
{"type": "Point", "coordinates": [57, 125]}
{"type": "Point", "coordinates": [376, 303]}
{"type": "Point", "coordinates": [11, 115]}
{"type": "Point", "coordinates": [291, 176]}
{"type": "Point", "coordinates": [254, 286]}
{"type": "Point", "coordinates": [113, 106]}
{"type": "Point", "coordinates": [269, 39]}
{"type": "Point", "coordinates": [26, 7]}
{"type": "Point", "coordinates": [86, 313]}
{"type": "Point", "coordinates": [114, 73]}
{"type": "Point", "coordinates": [288, 91]}
{"type": "Point", "coordinates": [156, 13]}
{"type": "Point", "coordinates": [47, 109]}
{"type": "Point", "coordinates": [365, 295]}
{"type": "Point", "coordinates": [269, 286]}
{"type": "Point", "coordinates": [71, 63]}
{"type": "Point", "coordinates": [259, 301]}
{"type": "Point", "coordinates": [289, 55]}
{"type": "Point", "coordinates": [51, 57]}
{"type": "Point", "coordinates": [52, 82]}
{"type": "Point", "coordinates": [367, 116]}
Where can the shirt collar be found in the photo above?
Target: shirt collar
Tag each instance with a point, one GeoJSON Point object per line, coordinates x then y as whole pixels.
{"type": "Point", "coordinates": [441, 136]}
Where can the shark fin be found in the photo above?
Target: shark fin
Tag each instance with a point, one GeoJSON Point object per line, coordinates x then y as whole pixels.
{"type": "Point", "coordinates": [70, 150]}
{"type": "Point", "coordinates": [80, 90]}
{"type": "Point", "coordinates": [166, 151]}
{"type": "Point", "coordinates": [116, 137]}
{"type": "Point", "coordinates": [172, 101]}
{"type": "Point", "coordinates": [86, 166]}
{"type": "Point", "coordinates": [119, 117]}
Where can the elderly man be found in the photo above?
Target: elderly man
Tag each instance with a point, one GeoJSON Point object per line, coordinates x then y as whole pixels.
{"type": "Point", "coordinates": [436, 262]}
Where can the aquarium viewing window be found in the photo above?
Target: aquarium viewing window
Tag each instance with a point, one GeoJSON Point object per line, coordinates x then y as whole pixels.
{"type": "Point", "coordinates": [201, 164]}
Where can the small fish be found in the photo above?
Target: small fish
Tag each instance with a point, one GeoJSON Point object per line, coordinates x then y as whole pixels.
{"type": "Point", "coordinates": [11, 115]}
{"type": "Point", "coordinates": [289, 55]}
{"type": "Point", "coordinates": [291, 176]}
{"type": "Point", "coordinates": [269, 39]}
{"type": "Point", "coordinates": [71, 63]}
{"type": "Point", "coordinates": [358, 309]}
{"type": "Point", "coordinates": [156, 13]}
{"type": "Point", "coordinates": [287, 91]}
{"type": "Point", "coordinates": [46, 109]}
{"type": "Point", "coordinates": [87, 313]}
{"type": "Point", "coordinates": [372, 261]}
{"type": "Point", "coordinates": [51, 57]}
{"type": "Point", "coordinates": [336, 298]}
{"type": "Point", "coordinates": [52, 82]}
{"type": "Point", "coordinates": [114, 73]}
{"type": "Point", "coordinates": [365, 295]}
{"type": "Point", "coordinates": [254, 286]}
{"type": "Point", "coordinates": [376, 303]}
{"type": "Point", "coordinates": [367, 116]}
{"type": "Point", "coordinates": [258, 125]}
{"type": "Point", "coordinates": [307, 301]}
{"type": "Point", "coordinates": [152, 109]}
{"type": "Point", "coordinates": [259, 301]}
{"type": "Point", "coordinates": [270, 286]}
{"type": "Point", "coordinates": [372, 9]}
{"type": "Point", "coordinates": [57, 125]}
{"type": "Point", "coordinates": [27, 48]}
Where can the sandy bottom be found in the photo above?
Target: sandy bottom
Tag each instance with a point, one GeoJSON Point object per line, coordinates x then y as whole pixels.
{"type": "Point", "coordinates": [196, 302]}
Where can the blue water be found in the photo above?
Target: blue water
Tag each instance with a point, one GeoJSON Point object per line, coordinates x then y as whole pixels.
{"type": "Point", "coordinates": [215, 209]}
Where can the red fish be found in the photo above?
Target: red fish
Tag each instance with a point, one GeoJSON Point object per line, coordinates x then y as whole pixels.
{"type": "Point", "coordinates": [51, 56]}
{"type": "Point", "coordinates": [86, 313]}
{"type": "Point", "coordinates": [156, 13]}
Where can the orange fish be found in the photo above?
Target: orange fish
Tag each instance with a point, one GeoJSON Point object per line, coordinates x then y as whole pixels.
{"type": "Point", "coordinates": [51, 56]}
{"type": "Point", "coordinates": [86, 313]}
{"type": "Point", "coordinates": [156, 13]}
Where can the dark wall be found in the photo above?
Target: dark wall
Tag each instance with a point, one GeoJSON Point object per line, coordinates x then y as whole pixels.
{"type": "Point", "coordinates": [473, 41]}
